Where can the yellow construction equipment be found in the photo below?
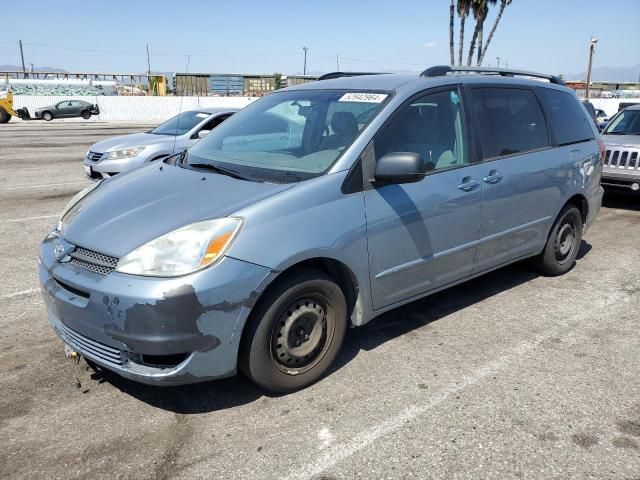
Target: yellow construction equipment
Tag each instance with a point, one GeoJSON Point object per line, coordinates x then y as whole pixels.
{"type": "Point", "coordinates": [7, 111]}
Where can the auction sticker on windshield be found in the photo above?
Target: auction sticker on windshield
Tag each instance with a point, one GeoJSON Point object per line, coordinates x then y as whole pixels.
{"type": "Point", "coordinates": [363, 97]}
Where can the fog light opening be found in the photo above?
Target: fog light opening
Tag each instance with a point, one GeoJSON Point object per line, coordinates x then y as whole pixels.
{"type": "Point", "coordinates": [163, 361]}
{"type": "Point", "coordinates": [635, 187]}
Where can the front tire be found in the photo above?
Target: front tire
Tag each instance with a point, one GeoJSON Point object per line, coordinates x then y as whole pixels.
{"type": "Point", "coordinates": [559, 254]}
{"type": "Point", "coordinates": [295, 332]}
{"type": "Point", "coordinates": [47, 116]}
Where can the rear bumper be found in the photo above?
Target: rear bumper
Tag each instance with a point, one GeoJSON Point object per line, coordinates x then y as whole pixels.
{"type": "Point", "coordinates": [595, 203]}
{"type": "Point", "coordinates": [126, 323]}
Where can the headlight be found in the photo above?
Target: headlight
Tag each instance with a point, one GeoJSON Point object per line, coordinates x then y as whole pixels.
{"type": "Point", "coordinates": [75, 201]}
{"type": "Point", "coordinates": [127, 153]}
{"type": "Point", "coordinates": [182, 251]}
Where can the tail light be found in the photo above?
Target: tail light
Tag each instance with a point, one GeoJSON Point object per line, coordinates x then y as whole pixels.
{"type": "Point", "coordinates": [602, 149]}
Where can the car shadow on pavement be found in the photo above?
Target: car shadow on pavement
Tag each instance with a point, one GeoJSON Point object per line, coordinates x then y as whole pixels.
{"type": "Point", "coordinates": [621, 199]}
{"type": "Point", "coordinates": [238, 390]}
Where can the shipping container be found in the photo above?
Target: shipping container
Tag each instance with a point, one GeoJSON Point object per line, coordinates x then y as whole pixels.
{"type": "Point", "coordinates": [255, 86]}
{"type": "Point", "coordinates": [191, 84]}
{"type": "Point", "coordinates": [226, 85]}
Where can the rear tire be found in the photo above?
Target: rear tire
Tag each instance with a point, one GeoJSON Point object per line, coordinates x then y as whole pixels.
{"type": "Point", "coordinates": [86, 114]}
{"type": "Point", "coordinates": [559, 254]}
{"type": "Point", "coordinates": [295, 332]}
{"type": "Point", "coordinates": [4, 116]}
{"type": "Point", "coordinates": [47, 116]}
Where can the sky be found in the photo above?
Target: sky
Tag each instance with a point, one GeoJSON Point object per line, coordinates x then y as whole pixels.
{"type": "Point", "coordinates": [251, 36]}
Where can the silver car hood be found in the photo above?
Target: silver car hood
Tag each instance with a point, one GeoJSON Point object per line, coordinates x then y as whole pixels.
{"type": "Point", "coordinates": [129, 210]}
{"type": "Point", "coordinates": [627, 140]}
{"type": "Point", "coordinates": [134, 140]}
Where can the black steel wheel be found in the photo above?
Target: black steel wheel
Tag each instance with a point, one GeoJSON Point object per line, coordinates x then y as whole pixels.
{"type": "Point", "coordinates": [561, 249]}
{"type": "Point", "coordinates": [295, 332]}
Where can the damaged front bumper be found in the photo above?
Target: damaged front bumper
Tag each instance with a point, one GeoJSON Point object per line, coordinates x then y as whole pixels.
{"type": "Point", "coordinates": [166, 331]}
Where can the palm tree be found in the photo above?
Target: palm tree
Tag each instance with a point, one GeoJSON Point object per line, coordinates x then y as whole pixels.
{"type": "Point", "coordinates": [464, 6]}
{"type": "Point", "coordinates": [480, 11]}
{"type": "Point", "coordinates": [451, 13]}
{"type": "Point", "coordinates": [503, 5]}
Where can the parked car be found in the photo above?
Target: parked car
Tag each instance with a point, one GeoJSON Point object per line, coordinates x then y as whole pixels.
{"type": "Point", "coordinates": [622, 156]}
{"type": "Point", "coordinates": [260, 245]}
{"type": "Point", "coordinates": [125, 152]}
{"type": "Point", "coordinates": [67, 109]}
{"type": "Point", "coordinates": [591, 110]}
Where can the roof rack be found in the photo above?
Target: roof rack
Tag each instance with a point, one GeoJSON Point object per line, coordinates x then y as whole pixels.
{"type": "Point", "coordinates": [332, 75]}
{"type": "Point", "coordinates": [441, 70]}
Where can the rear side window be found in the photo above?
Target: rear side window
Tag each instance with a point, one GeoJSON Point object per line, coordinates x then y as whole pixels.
{"type": "Point", "coordinates": [569, 121]}
{"type": "Point", "coordinates": [510, 121]}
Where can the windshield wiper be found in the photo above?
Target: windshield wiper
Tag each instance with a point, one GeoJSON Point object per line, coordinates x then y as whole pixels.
{"type": "Point", "coordinates": [218, 169]}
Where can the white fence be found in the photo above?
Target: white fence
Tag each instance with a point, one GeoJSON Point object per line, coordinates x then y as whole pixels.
{"type": "Point", "coordinates": [161, 108]}
{"type": "Point", "coordinates": [610, 105]}
{"type": "Point", "coordinates": [135, 108]}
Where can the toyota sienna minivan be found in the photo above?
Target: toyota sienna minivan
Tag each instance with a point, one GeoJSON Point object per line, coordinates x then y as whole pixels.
{"type": "Point", "coordinates": [314, 209]}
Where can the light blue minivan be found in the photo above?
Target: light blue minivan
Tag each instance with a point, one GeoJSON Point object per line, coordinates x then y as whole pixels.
{"type": "Point", "coordinates": [317, 208]}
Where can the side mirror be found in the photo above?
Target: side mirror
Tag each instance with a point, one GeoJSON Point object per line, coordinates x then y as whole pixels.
{"type": "Point", "coordinates": [201, 134]}
{"type": "Point", "coordinates": [399, 167]}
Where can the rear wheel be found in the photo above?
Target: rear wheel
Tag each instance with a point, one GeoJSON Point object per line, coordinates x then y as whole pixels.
{"type": "Point", "coordinates": [4, 116]}
{"type": "Point", "coordinates": [295, 332]}
{"type": "Point", "coordinates": [48, 116]}
{"type": "Point", "coordinates": [559, 254]}
{"type": "Point", "coordinates": [86, 114]}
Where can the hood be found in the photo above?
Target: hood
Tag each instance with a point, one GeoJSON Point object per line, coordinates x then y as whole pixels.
{"type": "Point", "coordinates": [129, 210]}
{"type": "Point", "coordinates": [131, 141]}
{"type": "Point", "coordinates": [626, 140]}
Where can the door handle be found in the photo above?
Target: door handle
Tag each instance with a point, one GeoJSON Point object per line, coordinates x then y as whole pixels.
{"type": "Point", "coordinates": [468, 184]}
{"type": "Point", "coordinates": [493, 177]}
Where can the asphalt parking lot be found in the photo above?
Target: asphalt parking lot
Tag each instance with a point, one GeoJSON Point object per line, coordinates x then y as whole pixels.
{"type": "Point", "coordinates": [511, 375]}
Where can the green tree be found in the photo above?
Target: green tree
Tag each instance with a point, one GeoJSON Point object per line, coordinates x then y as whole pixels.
{"type": "Point", "coordinates": [451, 16]}
{"type": "Point", "coordinates": [480, 10]}
{"type": "Point", "coordinates": [464, 7]}
{"type": "Point", "coordinates": [503, 5]}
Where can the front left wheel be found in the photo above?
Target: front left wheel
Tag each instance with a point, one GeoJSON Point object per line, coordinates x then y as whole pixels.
{"type": "Point", "coordinates": [295, 332]}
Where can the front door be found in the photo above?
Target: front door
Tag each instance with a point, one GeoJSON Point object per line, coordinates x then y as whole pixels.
{"type": "Point", "coordinates": [423, 235]}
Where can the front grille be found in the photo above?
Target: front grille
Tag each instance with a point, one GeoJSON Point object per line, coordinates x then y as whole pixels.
{"type": "Point", "coordinates": [628, 159]}
{"type": "Point", "coordinates": [91, 348]}
{"type": "Point", "coordinates": [93, 261]}
{"type": "Point", "coordinates": [94, 156]}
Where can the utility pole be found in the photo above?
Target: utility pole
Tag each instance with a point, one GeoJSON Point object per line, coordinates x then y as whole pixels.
{"type": "Point", "coordinates": [148, 62]}
{"type": "Point", "coordinates": [337, 62]}
{"type": "Point", "coordinates": [498, 59]}
{"type": "Point", "coordinates": [304, 70]}
{"type": "Point", "coordinates": [24, 69]}
{"type": "Point", "coordinates": [31, 67]}
{"type": "Point", "coordinates": [592, 45]}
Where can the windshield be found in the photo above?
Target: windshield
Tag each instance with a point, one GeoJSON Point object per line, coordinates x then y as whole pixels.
{"type": "Point", "coordinates": [627, 122]}
{"type": "Point", "coordinates": [288, 136]}
{"type": "Point", "coordinates": [180, 124]}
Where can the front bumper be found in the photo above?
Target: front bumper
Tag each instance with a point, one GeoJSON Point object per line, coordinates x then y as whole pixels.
{"type": "Point", "coordinates": [122, 321]}
{"type": "Point", "coordinates": [619, 177]}
{"type": "Point", "coordinates": [107, 168]}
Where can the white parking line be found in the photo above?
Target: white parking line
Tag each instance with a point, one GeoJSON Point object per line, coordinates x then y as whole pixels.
{"type": "Point", "coordinates": [46, 185]}
{"type": "Point", "coordinates": [19, 294]}
{"type": "Point", "coordinates": [342, 451]}
{"type": "Point", "coordinates": [26, 219]}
